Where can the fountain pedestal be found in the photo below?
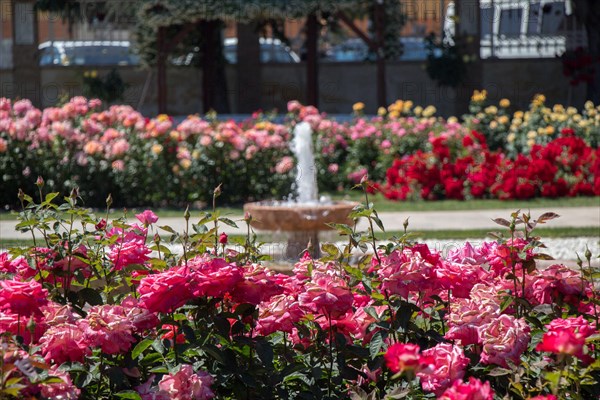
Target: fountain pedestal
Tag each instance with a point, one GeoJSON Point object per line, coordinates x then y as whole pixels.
{"type": "Point", "coordinates": [302, 222]}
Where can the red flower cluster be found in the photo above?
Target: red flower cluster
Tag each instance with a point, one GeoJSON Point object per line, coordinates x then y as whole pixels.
{"type": "Point", "coordinates": [567, 166]}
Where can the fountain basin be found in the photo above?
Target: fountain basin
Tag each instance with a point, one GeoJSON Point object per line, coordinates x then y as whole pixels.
{"type": "Point", "coordinates": [301, 222]}
{"type": "Point", "coordinates": [272, 216]}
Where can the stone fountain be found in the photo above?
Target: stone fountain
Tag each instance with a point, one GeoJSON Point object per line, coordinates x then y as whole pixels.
{"type": "Point", "coordinates": [304, 215]}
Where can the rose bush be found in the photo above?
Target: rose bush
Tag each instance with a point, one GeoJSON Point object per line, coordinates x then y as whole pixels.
{"type": "Point", "coordinates": [405, 150]}
{"type": "Point", "coordinates": [79, 319]}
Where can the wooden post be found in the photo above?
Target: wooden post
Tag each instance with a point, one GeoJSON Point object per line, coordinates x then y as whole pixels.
{"type": "Point", "coordinates": [162, 72]}
{"type": "Point", "coordinates": [248, 69]}
{"type": "Point", "coordinates": [209, 72]}
{"type": "Point", "coordinates": [379, 27]}
{"type": "Point", "coordinates": [26, 68]}
{"type": "Point", "coordinates": [312, 73]}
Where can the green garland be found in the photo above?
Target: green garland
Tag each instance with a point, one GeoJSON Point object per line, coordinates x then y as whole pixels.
{"type": "Point", "coordinates": [153, 14]}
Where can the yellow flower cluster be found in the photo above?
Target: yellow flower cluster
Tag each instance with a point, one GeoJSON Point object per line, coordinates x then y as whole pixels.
{"type": "Point", "coordinates": [358, 107]}
{"type": "Point", "coordinates": [399, 107]}
{"type": "Point", "coordinates": [479, 96]}
{"type": "Point", "coordinates": [90, 74]}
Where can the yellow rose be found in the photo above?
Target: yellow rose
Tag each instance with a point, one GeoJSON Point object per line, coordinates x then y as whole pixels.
{"type": "Point", "coordinates": [491, 110]}
{"type": "Point", "coordinates": [174, 135]}
{"type": "Point", "coordinates": [418, 110]}
{"type": "Point", "coordinates": [94, 74]}
{"type": "Point", "coordinates": [588, 105]}
{"type": "Point", "coordinates": [156, 149]}
{"type": "Point", "coordinates": [394, 114]}
{"type": "Point", "coordinates": [518, 114]}
{"type": "Point", "coordinates": [558, 108]}
{"type": "Point", "coordinates": [503, 119]}
{"type": "Point", "coordinates": [407, 106]}
{"type": "Point", "coordinates": [196, 154]}
{"type": "Point", "coordinates": [358, 107]}
{"type": "Point", "coordinates": [530, 142]}
{"type": "Point", "coordinates": [511, 137]}
{"type": "Point", "coordinates": [549, 130]}
{"type": "Point", "coordinates": [531, 134]}
{"type": "Point", "coordinates": [571, 110]}
{"type": "Point", "coordinates": [381, 111]}
{"type": "Point", "coordinates": [493, 124]}
{"type": "Point", "coordinates": [162, 118]}
{"type": "Point", "coordinates": [452, 120]}
{"type": "Point", "coordinates": [504, 103]}
{"type": "Point", "coordinates": [185, 163]}
{"type": "Point", "coordinates": [538, 100]}
{"type": "Point", "coordinates": [429, 111]}
{"type": "Point", "coordinates": [576, 117]}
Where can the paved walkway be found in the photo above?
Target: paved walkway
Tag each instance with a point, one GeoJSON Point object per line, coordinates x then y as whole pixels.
{"type": "Point", "coordinates": [393, 221]}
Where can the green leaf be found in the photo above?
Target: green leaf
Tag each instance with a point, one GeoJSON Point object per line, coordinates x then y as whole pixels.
{"type": "Point", "coordinates": [158, 346]}
{"type": "Point", "coordinates": [229, 222]}
{"type": "Point", "coordinates": [375, 344]}
{"type": "Point", "coordinates": [378, 221]}
{"type": "Point", "coordinates": [499, 372]}
{"type": "Point", "coordinates": [547, 217]}
{"type": "Point", "coordinates": [167, 228]}
{"type": "Point", "coordinates": [342, 229]}
{"type": "Point", "coordinates": [129, 394]}
{"type": "Point", "coordinates": [330, 249]}
{"type": "Point", "coordinates": [90, 296]}
{"type": "Point", "coordinates": [140, 347]}
{"type": "Point", "coordinates": [502, 221]}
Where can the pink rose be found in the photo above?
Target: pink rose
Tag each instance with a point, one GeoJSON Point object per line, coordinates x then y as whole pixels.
{"type": "Point", "coordinates": [448, 364]}
{"type": "Point", "coordinates": [404, 272]}
{"type": "Point", "coordinates": [567, 336]}
{"type": "Point", "coordinates": [259, 284]}
{"type": "Point", "coordinates": [328, 295]}
{"type": "Point", "coordinates": [472, 390]}
{"type": "Point", "coordinates": [147, 217]}
{"type": "Point", "coordinates": [284, 165]}
{"type": "Point", "coordinates": [166, 291]}
{"type": "Point", "coordinates": [108, 327]}
{"type": "Point", "coordinates": [130, 248]}
{"type": "Point", "coordinates": [504, 338]}
{"type": "Point", "coordinates": [64, 342]}
{"type": "Point", "coordinates": [280, 313]}
{"type": "Point", "coordinates": [24, 298]}
{"type": "Point", "coordinates": [187, 385]}
{"type": "Point", "coordinates": [64, 390]}
{"type": "Point", "coordinates": [402, 357]}
{"type": "Point", "coordinates": [213, 277]}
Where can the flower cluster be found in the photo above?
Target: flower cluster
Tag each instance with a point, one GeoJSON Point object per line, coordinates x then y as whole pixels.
{"type": "Point", "coordinates": [104, 311]}
{"type": "Point", "coordinates": [566, 166]}
{"type": "Point", "coordinates": [118, 151]}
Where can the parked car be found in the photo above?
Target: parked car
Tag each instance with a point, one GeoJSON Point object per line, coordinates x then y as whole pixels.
{"type": "Point", "coordinates": [355, 49]}
{"type": "Point", "coordinates": [89, 53]}
{"type": "Point", "coordinates": [271, 51]}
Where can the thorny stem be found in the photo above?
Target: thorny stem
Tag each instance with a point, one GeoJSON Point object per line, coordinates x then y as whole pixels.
{"type": "Point", "coordinates": [330, 356]}
{"type": "Point", "coordinates": [371, 228]}
{"type": "Point", "coordinates": [37, 267]}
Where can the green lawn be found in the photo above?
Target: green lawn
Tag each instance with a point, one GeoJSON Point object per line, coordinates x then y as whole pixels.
{"type": "Point", "coordinates": [544, 233]}
{"type": "Point", "coordinates": [383, 204]}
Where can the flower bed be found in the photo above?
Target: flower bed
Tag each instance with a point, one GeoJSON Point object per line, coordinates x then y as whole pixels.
{"type": "Point", "coordinates": [102, 309]}
{"type": "Point", "coordinates": [406, 151]}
